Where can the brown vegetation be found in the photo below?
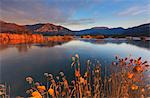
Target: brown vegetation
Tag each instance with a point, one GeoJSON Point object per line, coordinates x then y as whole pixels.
{"type": "Point", "coordinates": [93, 36]}
{"type": "Point", "coordinates": [60, 38]}
{"type": "Point", "coordinates": [126, 80]}
{"type": "Point", "coordinates": [9, 38]}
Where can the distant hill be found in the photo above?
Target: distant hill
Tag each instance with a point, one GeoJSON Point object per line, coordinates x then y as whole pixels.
{"type": "Point", "coordinates": [34, 27]}
{"type": "Point", "coordinates": [101, 31]}
{"type": "Point", "coordinates": [12, 28]}
{"type": "Point", "coordinates": [51, 29]}
{"type": "Point", "coordinates": [45, 29]}
{"type": "Point", "coordinates": [142, 30]}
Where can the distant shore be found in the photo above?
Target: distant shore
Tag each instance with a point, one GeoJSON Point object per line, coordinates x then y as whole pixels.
{"type": "Point", "coordinates": [9, 38]}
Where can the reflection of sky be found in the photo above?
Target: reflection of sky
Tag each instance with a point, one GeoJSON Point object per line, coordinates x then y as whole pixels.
{"type": "Point", "coordinates": [112, 49]}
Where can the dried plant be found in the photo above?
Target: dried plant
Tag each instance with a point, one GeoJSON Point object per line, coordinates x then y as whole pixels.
{"type": "Point", "coordinates": [126, 79]}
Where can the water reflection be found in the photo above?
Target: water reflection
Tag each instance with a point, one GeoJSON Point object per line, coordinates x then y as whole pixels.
{"type": "Point", "coordinates": [26, 47]}
{"type": "Point", "coordinates": [20, 61]}
{"type": "Point", "coordinates": [139, 43]}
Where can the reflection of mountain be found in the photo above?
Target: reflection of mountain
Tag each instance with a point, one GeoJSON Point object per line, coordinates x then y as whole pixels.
{"type": "Point", "coordinates": [138, 43]}
{"type": "Point", "coordinates": [25, 47]}
{"type": "Point", "coordinates": [141, 44]}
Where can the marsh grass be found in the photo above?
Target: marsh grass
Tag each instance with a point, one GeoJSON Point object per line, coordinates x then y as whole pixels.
{"type": "Point", "coordinates": [126, 80]}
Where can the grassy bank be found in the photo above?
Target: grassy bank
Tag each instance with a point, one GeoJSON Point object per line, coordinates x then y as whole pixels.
{"type": "Point", "coordinates": [8, 38]}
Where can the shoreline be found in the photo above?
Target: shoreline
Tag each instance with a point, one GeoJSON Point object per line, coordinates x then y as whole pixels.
{"type": "Point", "coordinates": [12, 39]}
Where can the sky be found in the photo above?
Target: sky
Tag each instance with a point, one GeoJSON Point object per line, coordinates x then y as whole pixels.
{"type": "Point", "coordinates": [77, 14]}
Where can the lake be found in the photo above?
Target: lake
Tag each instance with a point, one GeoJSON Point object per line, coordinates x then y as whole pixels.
{"type": "Point", "coordinates": [20, 61]}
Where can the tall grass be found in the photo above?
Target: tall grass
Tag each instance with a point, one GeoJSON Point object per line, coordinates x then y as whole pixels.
{"type": "Point", "coordinates": [126, 80]}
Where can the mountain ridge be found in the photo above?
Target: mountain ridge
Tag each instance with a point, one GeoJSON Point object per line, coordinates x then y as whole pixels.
{"type": "Point", "coordinates": [13, 28]}
{"type": "Point", "coordinates": [51, 29]}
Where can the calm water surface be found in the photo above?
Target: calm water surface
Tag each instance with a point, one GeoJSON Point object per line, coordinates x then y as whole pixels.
{"type": "Point", "coordinates": [19, 61]}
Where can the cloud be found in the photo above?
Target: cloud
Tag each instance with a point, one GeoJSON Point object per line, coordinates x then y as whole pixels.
{"type": "Point", "coordinates": [81, 21]}
{"type": "Point", "coordinates": [35, 11]}
{"type": "Point", "coordinates": [134, 10]}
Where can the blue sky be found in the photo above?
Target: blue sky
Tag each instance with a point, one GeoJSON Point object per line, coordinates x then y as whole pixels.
{"type": "Point", "coordinates": [77, 14]}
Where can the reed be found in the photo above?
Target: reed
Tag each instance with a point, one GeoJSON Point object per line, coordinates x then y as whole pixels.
{"type": "Point", "coordinates": [126, 79]}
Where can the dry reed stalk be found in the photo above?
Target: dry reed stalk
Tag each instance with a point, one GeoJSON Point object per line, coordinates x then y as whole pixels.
{"type": "Point", "coordinates": [125, 81]}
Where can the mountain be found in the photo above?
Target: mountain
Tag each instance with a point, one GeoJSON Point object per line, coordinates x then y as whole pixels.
{"type": "Point", "coordinates": [44, 29]}
{"type": "Point", "coordinates": [141, 30]}
{"type": "Point", "coordinates": [51, 29]}
{"type": "Point", "coordinates": [34, 27]}
{"type": "Point", "coordinates": [48, 29]}
{"type": "Point", "coordinates": [100, 28]}
{"type": "Point", "coordinates": [101, 31]}
{"type": "Point", "coordinates": [13, 28]}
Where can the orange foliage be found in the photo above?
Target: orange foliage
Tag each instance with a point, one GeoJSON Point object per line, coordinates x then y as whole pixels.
{"type": "Point", "coordinates": [60, 38]}
{"type": "Point", "coordinates": [51, 92]}
{"type": "Point", "coordinates": [36, 94]}
{"type": "Point", "coordinates": [8, 38]}
{"type": "Point", "coordinates": [130, 75]}
{"type": "Point", "coordinates": [137, 68]}
{"type": "Point", "coordinates": [134, 87]}
{"type": "Point", "coordinates": [41, 88]}
{"type": "Point", "coordinates": [77, 73]}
